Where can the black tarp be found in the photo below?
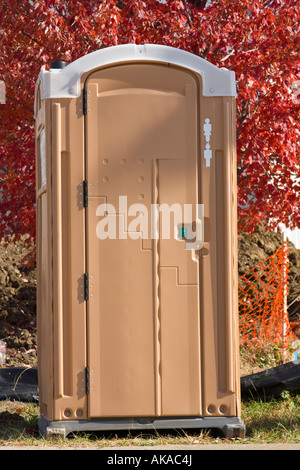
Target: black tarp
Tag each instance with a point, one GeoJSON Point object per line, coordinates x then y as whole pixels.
{"type": "Point", "coordinates": [272, 382]}
{"type": "Point", "coordinates": [19, 383]}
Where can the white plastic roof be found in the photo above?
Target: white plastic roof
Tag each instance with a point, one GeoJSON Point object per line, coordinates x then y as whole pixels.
{"type": "Point", "coordinates": [65, 83]}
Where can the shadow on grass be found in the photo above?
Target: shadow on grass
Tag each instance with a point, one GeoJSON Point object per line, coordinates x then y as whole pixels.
{"type": "Point", "coordinates": [14, 426]}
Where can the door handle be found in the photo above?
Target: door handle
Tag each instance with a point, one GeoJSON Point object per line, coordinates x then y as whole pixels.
{"type": "Point", "coordinates": [193, 239]}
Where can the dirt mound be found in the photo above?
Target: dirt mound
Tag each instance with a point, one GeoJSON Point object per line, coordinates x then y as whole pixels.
{"type": "Point", "coordinates": [18, 291]}
{"type": "Point", "coordinates": [17, 305]}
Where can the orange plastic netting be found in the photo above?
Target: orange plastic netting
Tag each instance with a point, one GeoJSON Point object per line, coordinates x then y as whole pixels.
{"type": "Point", "coordinates": [263, 316]}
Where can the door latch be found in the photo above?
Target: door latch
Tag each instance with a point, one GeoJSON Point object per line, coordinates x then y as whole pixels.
{"type": "Point", "coordinates": [193, 239]}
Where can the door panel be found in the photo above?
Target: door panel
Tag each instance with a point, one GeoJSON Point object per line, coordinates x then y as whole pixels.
{"type": "Point", "coordinates": [121, 325]}
{"type": "Point", "coordinates": [143, 310]}
{"type": "Point", "coordinates": [179, 299]}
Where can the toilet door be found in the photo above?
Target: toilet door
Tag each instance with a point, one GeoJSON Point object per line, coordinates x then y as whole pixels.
{"type": "Point", "coordinates": [143, 314]}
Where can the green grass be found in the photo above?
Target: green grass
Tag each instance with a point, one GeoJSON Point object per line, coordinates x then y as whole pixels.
{"type": "Point", "coordinates": [274, 421]}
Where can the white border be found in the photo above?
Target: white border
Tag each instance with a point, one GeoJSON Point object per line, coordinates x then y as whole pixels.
{"type": "Point", "coordinates": [65, 83]}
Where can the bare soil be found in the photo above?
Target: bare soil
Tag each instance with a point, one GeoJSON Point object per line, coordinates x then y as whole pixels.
{"type": "Point", "coordinates": [17, 305]}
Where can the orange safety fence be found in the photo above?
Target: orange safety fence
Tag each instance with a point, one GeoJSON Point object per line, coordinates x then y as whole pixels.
{"type": "Point", "coordinates": [263, 316]}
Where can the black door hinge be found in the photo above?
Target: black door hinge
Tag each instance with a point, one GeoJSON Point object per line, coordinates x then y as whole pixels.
{"type": "Point", "coordinates": [84, 101]}
{"type": "Point", "coordinates": [87, 380]}
{"type": "Point", "coordinates": [85, 193]}
{"type": "Point", "coordinates": [86, 286]}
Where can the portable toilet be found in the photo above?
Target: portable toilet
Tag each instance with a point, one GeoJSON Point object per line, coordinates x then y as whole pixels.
{"type": "Point", "coordinates": [137, 243]}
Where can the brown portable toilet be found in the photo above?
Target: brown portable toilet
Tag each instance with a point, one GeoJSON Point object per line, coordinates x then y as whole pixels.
{"type": "Point", "coordinates": [137, 243]}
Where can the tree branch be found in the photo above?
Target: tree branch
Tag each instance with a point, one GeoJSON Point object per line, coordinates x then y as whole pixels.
{"type": "Point", "coordinates": [243, 115]}
{"type": "Point", "coordinates": [33, 39]}
{"type": "Point", "coordinates": [187, 14]}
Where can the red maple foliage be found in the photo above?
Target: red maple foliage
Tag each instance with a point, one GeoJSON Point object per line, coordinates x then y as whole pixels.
{"type": "Point", "coordinates": [259, 40]}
